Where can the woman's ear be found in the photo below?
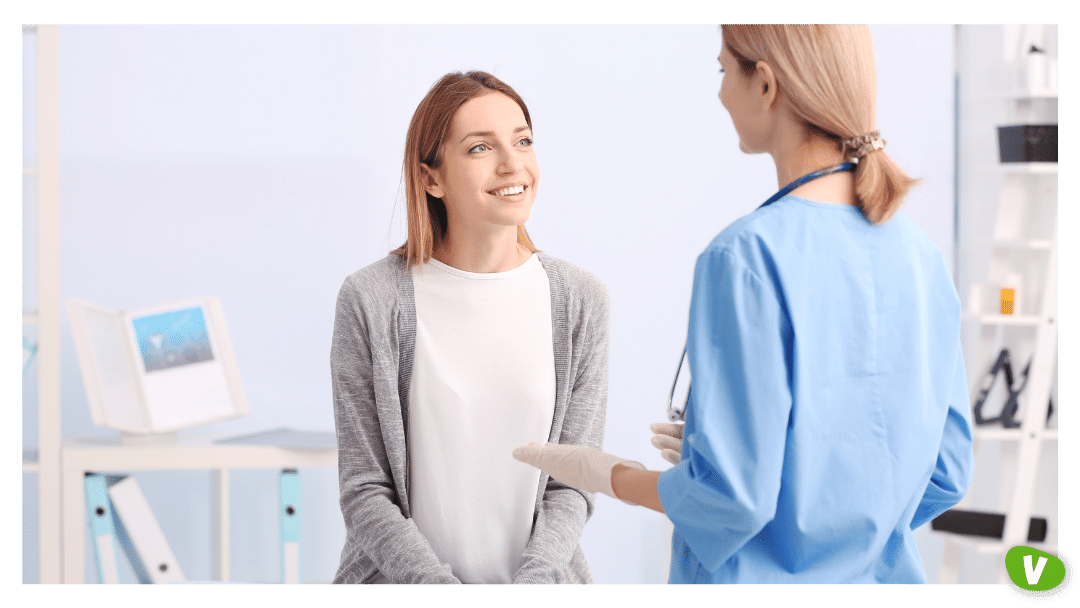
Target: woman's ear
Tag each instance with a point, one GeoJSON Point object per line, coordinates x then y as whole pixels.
{"type": "Point", "coordinates": [768, 86]}
{"type": "Point", "coordinates": [432, 182]}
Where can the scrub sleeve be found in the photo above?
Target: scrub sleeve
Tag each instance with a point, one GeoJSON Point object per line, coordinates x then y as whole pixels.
{"type": "Point", "coordinates": [725, 488]}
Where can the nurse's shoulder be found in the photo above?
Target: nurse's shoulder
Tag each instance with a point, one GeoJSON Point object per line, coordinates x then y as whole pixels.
{"type": "Point", "coordinates": [912, 235]}
{"type": "Point", "coordinates": [910, 242]}
{"type": "Point", "coordinates": [753, 237]}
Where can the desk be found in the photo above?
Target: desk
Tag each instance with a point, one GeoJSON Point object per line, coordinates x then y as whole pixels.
{"type": "Point", "coordinates": [82, 455]}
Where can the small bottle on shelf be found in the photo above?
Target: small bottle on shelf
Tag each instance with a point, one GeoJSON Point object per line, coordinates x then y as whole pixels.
{"type": "Point", "coordinates": [1010, 295]}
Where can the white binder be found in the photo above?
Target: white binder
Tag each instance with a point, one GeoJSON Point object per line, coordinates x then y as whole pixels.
{"type": "Point", "coordinates": [141, 536]}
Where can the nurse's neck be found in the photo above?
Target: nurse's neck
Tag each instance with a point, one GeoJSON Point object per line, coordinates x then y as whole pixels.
{"type": "Point", "coordinates": [798, 151]}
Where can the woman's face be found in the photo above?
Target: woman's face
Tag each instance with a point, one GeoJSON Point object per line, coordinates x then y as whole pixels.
{"type": "Point", "coordinates": [489, 174]}
{"type": "Point", "coordinates": [737, 98]}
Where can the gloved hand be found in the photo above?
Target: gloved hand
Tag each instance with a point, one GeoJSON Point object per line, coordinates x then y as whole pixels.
{"type": "Point", "coordinates": [668, 439]}
{"type": "Point", "coordinates": [575, 465]}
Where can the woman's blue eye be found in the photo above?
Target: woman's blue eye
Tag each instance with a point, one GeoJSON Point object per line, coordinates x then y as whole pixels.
{"type": "Point", "coordinates": [527, 141]}
{"type": "Point", "coordinates": [477, 147]}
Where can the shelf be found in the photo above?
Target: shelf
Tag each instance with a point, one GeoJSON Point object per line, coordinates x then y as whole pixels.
{"type": "Point", "coordinates": [29, 170]}
{"type": "Point", "coordinates": [1028, 168]}
{"type": "Point", "coordinates": [1003, 434]}
{"type": "Point", "coordinates": [990, 319]}
{"type": "Point", "coordinates": [29, 317]}
{"type": "Point", "coordinates": [1018, 168]}
{"type": "Point", "coordinates": [175, 452]}
{"type": "Point", "coordinates": [1026, 95]}
{"type": "Point", "coordinates": [30, 460]}
{"type": "Point", "coordinates": [1032, 244]}
{"type": "Point", "coordinates": [188, 452]}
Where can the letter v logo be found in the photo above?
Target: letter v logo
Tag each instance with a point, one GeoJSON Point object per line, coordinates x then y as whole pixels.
{"type": "Point", "coordinates": [1033, 574]}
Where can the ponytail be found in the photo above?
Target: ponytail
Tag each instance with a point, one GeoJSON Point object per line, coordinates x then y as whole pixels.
{"type": "Point", "coordinates": [827, 73]}
{"type": "Point", "coordinates": [880, 184]}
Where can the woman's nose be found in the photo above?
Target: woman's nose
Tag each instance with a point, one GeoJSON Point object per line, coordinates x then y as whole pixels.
{"type": "Point", "coordinates": [508, 163]}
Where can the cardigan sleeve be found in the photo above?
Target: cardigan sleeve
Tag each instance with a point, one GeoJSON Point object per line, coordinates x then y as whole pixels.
{"type": "Point", "coordinates": [375, 525]}
{"type": "Point", "coordinates": [564, 510]}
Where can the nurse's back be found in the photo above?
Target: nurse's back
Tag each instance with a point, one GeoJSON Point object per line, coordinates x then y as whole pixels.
{"type": "Point", "coordinates": [874, 365]}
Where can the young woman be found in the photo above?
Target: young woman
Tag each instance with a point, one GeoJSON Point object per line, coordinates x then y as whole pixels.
{"type": "Point", "coordinates": [458, 346]}
{"type": "Point", "coordinates": [828, 414]}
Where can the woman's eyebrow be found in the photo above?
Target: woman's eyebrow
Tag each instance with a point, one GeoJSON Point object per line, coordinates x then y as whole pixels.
{"type": "Point", "coordinates": [490, 133]}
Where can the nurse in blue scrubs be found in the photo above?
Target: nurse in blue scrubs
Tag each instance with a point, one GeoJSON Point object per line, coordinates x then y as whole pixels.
{"type": "Point", "coordinates": [828, 416]}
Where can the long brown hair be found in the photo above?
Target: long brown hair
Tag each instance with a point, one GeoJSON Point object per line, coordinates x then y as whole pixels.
{"type": "Point", "coordinates": [430, 125]}
{"type": "Point", "coordinates": [827, 73]}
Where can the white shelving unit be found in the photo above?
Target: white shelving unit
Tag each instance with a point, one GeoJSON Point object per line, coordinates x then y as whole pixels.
{"type": "Point", "coordinates": [60, 462]}
{"type": "Point", "coordinates": [82, 455]}
{"type": "Point", "coordinates": [46, 459]}
{"type": "Point", "coordinates": [1023, 254]}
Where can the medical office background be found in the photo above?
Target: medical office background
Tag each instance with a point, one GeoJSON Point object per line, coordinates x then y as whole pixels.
{"type": "Point", "coordinates": [262, 165]}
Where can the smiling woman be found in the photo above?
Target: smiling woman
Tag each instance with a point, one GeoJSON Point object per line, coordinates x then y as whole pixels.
{"type": "Point", "coordinates": [466, 336]}
{"type": "Point", "coordinates": [487, 181]}
{"type": "Point", "coordinates": [455, 103]}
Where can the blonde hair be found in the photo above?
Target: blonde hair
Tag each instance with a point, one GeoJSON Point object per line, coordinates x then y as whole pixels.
{"type": "Point", "coordinates": [827, 74]}
{"type": "Point", "coordinates": [429, 127]}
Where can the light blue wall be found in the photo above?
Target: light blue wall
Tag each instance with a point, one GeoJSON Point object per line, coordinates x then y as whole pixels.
{"type": "Point", "coordinates": [261, 165]}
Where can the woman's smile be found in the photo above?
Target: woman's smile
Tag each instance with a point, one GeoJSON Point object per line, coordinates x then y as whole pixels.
{"type": "Point", "coordinates": [512, 192]}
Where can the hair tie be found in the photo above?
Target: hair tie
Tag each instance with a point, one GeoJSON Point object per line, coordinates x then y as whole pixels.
{"type": "Point", "coordinates": [859, 147]}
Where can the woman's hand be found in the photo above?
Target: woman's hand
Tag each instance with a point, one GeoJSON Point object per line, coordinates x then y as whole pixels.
{"type": "Point", "coordinates": [577, 466]}
{"type": "Point", "coordinates": [668, 439]}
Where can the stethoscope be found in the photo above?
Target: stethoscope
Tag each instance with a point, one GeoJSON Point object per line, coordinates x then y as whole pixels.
{"type": "Point", "coordinates": [676, 414]}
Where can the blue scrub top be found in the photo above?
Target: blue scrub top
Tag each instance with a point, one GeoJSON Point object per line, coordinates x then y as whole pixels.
{"type": "Point", "coordinates": [828, 415]}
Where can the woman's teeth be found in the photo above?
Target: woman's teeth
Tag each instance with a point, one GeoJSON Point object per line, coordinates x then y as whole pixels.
{"type": "Point", "coordinates": [509, 191]}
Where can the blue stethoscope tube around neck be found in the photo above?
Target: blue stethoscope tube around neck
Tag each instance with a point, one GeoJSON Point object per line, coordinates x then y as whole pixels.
{"type": "Point", "coordinates": [676, 414]}
{"type": "Point", "coordinates": [809, 177]}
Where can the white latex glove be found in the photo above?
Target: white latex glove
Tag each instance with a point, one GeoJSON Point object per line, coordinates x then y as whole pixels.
{"type": "Point", "coordinates": [577, 466]}
{"type": "Point", "coordinates": [668, 439]}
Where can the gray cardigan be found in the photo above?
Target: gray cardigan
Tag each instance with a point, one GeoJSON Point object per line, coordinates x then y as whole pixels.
{"type": "Point", "coordinates": [370, 363]}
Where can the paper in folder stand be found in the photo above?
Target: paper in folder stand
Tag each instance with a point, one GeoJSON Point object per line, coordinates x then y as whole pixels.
{"type": "Point", "coordinates": [159, 369]}
{"type": "Point", "coordinates": [141, 536]}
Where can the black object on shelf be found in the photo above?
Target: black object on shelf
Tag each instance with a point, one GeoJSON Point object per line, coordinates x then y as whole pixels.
{"type": "Point", "coordinates": [1007, 417]}
{"type": "Point", "coordinates": [1028, 144]}
{"type": "Point", "coordinates": [991, 525]}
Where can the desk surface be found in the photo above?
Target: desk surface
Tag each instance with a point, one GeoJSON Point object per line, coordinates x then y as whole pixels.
{"type": "Point", "coordinates": [189, 452]}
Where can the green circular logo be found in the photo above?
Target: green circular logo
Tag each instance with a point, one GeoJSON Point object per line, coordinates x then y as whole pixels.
{"type": "Point", "coordinates": [1039, 577]}
{"type": "Point", "coordinates": [1034, 570]}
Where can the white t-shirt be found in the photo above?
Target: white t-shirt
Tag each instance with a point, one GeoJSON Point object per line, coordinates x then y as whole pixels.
{"type": "Point", "coordinates": [483, 383]}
